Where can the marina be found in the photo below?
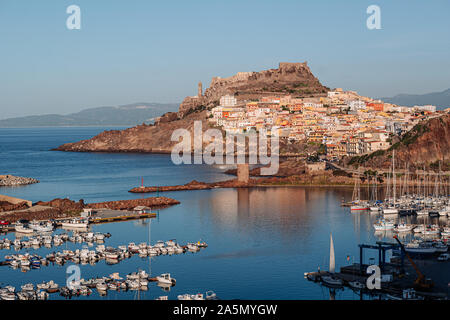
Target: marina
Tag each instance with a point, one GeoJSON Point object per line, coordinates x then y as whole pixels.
{"type": "Point", "coordinates": [251, 234]}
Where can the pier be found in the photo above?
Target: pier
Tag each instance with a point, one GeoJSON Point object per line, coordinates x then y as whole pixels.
{"type": "Point", "coordinates": [101, 216]}
{"type": "Point", "coordinates": [396, 276]}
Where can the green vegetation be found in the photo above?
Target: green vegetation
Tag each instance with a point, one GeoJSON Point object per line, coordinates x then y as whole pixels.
{"type": "Point", "coordinates": [357, 160]}
{"type": "Point", "coordinates": [197, 109]}
{"type": "Point", "coordinates": [322, 149]}
{"type": "Point", "coordinates": [341, 173]}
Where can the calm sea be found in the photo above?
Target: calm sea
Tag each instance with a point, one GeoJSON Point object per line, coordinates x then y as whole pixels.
{"type": "Point", "coordinates": [261, 241]}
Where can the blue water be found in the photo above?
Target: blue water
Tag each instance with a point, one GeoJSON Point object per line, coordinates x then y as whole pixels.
{"type": "Point", "coordinates": [261, 241]}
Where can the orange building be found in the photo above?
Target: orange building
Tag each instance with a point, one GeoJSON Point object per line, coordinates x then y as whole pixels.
{"type": "Point", "coordinates": [376, 106]}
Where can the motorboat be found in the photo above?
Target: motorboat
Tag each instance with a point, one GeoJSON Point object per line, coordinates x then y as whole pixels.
{"type": "Point", "coordinates": [431, 231]}
{"type": "Point", "coordinates": [201, 244]}
{"type": "Point", "coordinates": [407, 294]}
{"type": "Point", "coordinates": [171, 243]}
{"type": "Point", "coordinates": [211, 295]}
{"type": "Point", "coordinates": [19, 227]}
{"type": "Point", "coordinates": [390, 211]}
{"type": "Point", "coordinates": [443, 257]}
{"type": "Point", "coordinates": [166, 278]}
{"type": "Point", "coordinates": [440, 247]}
{"type": "Point", "coordinates": [357, 285]}
{"type": "Point", "coordinates": [404, 227]}
{"type": "Point", "coordinates": [422, 212]}
{"type": "Point", "coordinates": [419, 248]}
{"type": "Point", "coordinates": [383, 225]}
{"type": "Point", "coordinates": [101, 286]}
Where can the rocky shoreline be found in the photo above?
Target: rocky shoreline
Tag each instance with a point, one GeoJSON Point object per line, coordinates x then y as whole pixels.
{"type": "Point", "coordinates": [10, 180]}
{"type": "Point", "coordinates": [154, 202]}
{"type": "Point", "coordinates": [64, 208]}
{"type": "Point", "coordinates": [320, 179]}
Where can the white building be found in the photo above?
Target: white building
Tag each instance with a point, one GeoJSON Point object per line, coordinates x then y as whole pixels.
{"type": "Point", "coordinates": [356, 104]}
{"type": "Point", "coordinates": [429, 108]}
{"type": "Point", "coordinates": [228, 101]}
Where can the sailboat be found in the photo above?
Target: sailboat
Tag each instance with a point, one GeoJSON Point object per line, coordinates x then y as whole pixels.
{"type": "Point", "coordinates": [331, 279]}
{"type": "Point", "coordinates": [374, 203]}
{"type": "Point", "coordinates": [392, 209]}
{"type": "Point", "coordinates": [357, 204]}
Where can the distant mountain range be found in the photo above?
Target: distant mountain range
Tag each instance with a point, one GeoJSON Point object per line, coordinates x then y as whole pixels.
{"type": "Point", "coordinates": [125, 115]}
{"type": "Point", "coordinates": [439, 99]}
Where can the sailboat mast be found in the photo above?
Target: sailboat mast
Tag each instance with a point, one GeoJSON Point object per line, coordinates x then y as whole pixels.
{"type": "Point", "coordinates": [393, 173]}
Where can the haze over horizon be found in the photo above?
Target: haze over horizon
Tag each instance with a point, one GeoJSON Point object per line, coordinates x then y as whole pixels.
{"type": "Point", "coordinates": [157, 52]}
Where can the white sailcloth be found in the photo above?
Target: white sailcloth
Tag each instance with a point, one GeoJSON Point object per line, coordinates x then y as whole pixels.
{"type": "Point", "coordinates": [332, 262]}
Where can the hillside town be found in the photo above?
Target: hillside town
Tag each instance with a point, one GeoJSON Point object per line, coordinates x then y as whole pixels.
{"type": "Point", "coordinates": [343, 122]}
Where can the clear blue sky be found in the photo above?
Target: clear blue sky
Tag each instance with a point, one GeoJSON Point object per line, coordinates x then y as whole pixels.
{"type": "Point", "coordinates": [157, 51]}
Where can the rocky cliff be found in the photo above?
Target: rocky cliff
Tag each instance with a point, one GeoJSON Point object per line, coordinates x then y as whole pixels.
{"type": "Point", "coordinates": [290, 78]}
{"type": "Point", "coordinates": [142, 138]}
{"type": "Point", "coordinates": [427, 144]}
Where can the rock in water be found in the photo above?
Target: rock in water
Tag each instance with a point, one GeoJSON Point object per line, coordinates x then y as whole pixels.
{"type": "Point", "coordinates": [9, 180]}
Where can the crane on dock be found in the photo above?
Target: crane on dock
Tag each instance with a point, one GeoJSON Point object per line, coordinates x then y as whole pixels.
{"type": "Point", "coordinates": [421, 282]}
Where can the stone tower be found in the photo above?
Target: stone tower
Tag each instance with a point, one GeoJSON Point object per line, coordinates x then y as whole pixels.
{"type": "Point", "coordinates": [200, 90]}
{"type": "Point", "coordinates": [243, 172]}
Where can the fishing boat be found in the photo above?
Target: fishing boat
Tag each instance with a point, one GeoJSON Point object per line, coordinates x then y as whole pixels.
{"type": "Point", "coordinates": [42, 226]}
{"type": "Point", "coordinates": [75, 223]}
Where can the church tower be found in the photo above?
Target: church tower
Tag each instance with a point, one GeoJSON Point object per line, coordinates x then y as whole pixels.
{"type": "Point", "coordinates": [200, 90]}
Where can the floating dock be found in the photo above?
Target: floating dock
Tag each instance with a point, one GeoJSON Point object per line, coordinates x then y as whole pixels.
{"type": "Point", "coordinates": [122, 218]}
